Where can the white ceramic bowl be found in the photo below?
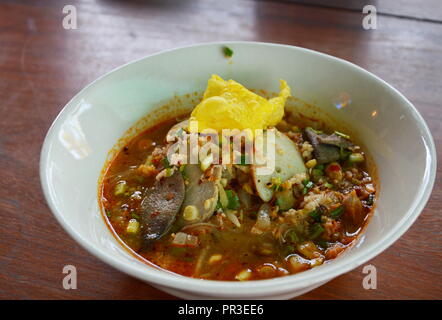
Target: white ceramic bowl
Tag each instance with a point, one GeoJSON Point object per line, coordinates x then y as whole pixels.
{"type": "Point", "coordinates": [391, 129]}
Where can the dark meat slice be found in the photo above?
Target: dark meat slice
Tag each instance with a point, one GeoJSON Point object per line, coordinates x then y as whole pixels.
{"type": "Point", "coordinates": [325, 153]}
{"type": "Point", "coordinates": [326, 148]}
{"type": "Point", "coordinates": [335, 140]}
{"type": "Point", "coordinates": [322, 152]}
{"type": "Point", "coordinates": [160, 207]}
{"type": "Point", "coordinates": [199, 191]}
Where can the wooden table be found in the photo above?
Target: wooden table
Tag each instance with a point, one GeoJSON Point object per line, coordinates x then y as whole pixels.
{"type": "Point", "coordinates": [42, 66]}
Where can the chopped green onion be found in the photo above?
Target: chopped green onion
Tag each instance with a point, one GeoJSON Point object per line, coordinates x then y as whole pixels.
{"type": "Point", "coordinates": [343, 135]}
{"type": "Point", "coordinates": [288, 249]}
{"type": "Point", "coordinates": [356, 157]}
{"type": "Point", "coordinates": [233, 200]}
{"type": "Point", "coordinates": [227, 52]}
{"type": "Point", "coordinates": [316, 214]}
{"type": "Point", "coordinates": [108, 213]}
{"type": "Point", "coordinates": [166, 163]}
{"type": "Point", "coordinates": [307, 186]}
{"type": "Point", "coordinates": [307, 183]}
{"type": "Point", "coordinates": [275, 184]}
{"type": "Point", "coordinates": [337, 212]}
{"type": "Point", "coordinates": [278, 202]}
{"type": "Point", "coordinates": [292, 236]}
{"type": "Point", "coordinates": [317, 173]}
{"type": "Point", "coordinates": [169, 172]}
{"type": "Point", "coordinates": [314, 130]}
{"type": "Point", "coordinates": [323, 244]}
{"type": "Point", "coordinates": [218, 205]}
{"type": "Point", "coordinates": [316, 231]}
{"type": "Point", "coordinates": [135, 216]}
{"type": "Point", "coordinates": [285, 199]}
{"type": "Point", "coordinates": [344, 154]}
{"type": "Point", "coordinates": [328, 185]}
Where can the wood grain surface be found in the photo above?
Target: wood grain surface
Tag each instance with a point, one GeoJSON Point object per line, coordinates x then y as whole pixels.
{"type": "Point", "coordinates": [42, 66]}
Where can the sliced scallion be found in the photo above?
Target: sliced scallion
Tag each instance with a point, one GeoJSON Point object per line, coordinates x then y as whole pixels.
{"type": "Point", "coordinates": [316, 214]}
{"type": "Point", "coordinates": [227, 52]}
{"type": "Point", "coordinates": [356, 157]}
{"type": "Point", "coordinates": [307, 186]}
{"type": "Point", "coordinates": [316, 231]}
{"type": "Point", "coordinates": [166, 163]}
{"type": "Point", "coordinates": [343, 135]}
{"type": "Point", "coordinates": [233, 200]}
{"type": "Point", "coordinates": [292, 236]}
{"type": "Point", "coordinates": [337, 212]}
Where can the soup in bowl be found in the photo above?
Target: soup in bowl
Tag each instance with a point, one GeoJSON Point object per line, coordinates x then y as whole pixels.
{"type": "Point", "coordinates": [240, 189]}
{"type": "Point", "coordinates": [210, 229]}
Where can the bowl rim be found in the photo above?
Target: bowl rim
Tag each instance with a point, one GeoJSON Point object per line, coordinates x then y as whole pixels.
{"type": "Point", "coordinates": [274, 285]}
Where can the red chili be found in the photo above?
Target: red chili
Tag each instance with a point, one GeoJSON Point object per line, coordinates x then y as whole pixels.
{"type": "Point", "coordinates": [334, 167]}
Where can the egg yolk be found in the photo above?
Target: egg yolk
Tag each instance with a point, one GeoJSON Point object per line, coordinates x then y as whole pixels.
{"type": "Point", "coordinates": [229, 105]}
